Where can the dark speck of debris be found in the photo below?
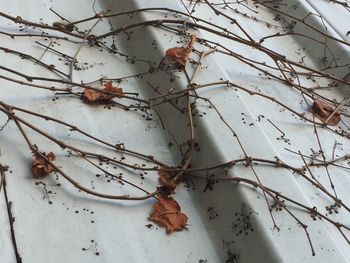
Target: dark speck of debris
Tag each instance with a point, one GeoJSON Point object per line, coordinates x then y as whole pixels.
{"type": "Point", "coordinates": [150, 226]}
{"type": "Point", "coordinates": [212, 213]}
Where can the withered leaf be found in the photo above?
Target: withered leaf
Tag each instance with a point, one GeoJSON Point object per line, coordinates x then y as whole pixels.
{"type": "Point", "coordinates": [181, 54]}
{"type": "Point", "coordinates": [91, 95]}
{"type": "Point", "coordinates": [117, 91]}
{"type": "Point", "coordinates": [40, 167]}
{"type": "Point", "coordinates": [166, 181]}
{"type": "Point", "coordinates": [323, 111]}
{"type": "Point", "coordinates": [167, 213]}
{"type": "Point", "coordinates": [97, 96]}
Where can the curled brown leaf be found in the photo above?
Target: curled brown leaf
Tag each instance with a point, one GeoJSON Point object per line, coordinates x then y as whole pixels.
{"type": "Point", "coordinates": [40, 167]}
{"type": "Point", "coordinates": [181, 54]}
{"type": "Point", "coordinates": [325, 112]}
{"type": "Point", "coordinates": [167, 213]}
{"type": "Point", "coordinates": [91, 95]}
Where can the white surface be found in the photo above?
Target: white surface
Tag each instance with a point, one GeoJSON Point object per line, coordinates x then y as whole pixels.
{"type": "Point", "coordinates": [56, 233]}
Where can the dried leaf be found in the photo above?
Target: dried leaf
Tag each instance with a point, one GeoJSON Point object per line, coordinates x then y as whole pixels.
{"type": "Point", "coordinates": [91, 95]}
{"type": "Point", "coordinates": [97, 96]}
{"type": "Point", "coordinates": [181, 54]}
{"type": "Point", "coordinates": [166, 181]}
{"type": "Point", "coordinates": [167, 213]}
{"type": "Point", "coordinates": [40, 167]}
{"type": "Point", "coordinates": [109, 87]}
{"type": "Point", "coordinates": [323, 111]}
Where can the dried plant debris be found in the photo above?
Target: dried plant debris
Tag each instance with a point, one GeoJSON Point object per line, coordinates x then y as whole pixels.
{"type": "Point", "coordinates": [41, 167]}
{"type": "Point", "coordinates": [251, 56]}
{"type": "Point", "coordinates": [181, 54]}
{"type": "Point", "coordinates": [167, 213]}
{"type": "Point", "coordinates": [166, 180]}
{"type": "Point", "coordinates": [91, 95]}
{"type": "Point", "coordinates": [243, 223]}
{"type": "Point", "coordinates": [325, 112]}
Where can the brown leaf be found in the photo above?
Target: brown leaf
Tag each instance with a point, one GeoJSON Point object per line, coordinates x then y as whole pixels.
{"type": "Point", "coordinates": [91, 95]}
{"type": "Point", "coordinates": [109, 87]}
{"type": "Point", "coordinates": [97, 96]}
{"type": "Point", "coordinates": [167, 213]}
{"type": "Point", "coordinates": [40, 167]}
{"type": "Point", "coordinates": [181, 54]}
{"type": "Point", "coordinates": [166, 181]}
{"type": "Point", "coordinates": [323, 111]}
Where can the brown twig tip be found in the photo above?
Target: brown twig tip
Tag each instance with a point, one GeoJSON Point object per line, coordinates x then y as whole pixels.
{"type": "Point", "coordinates": [3, 169]}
